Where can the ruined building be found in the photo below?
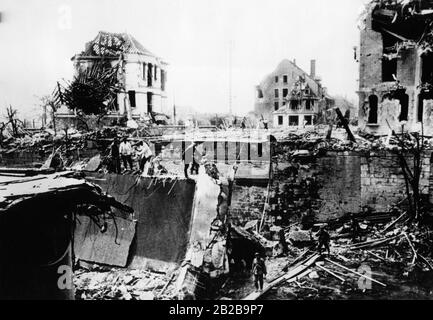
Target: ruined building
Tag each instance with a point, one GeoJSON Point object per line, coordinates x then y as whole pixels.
{"type": "Point", "coordinates": [142, 75]}
{"type": "Point", "coordinates": [396, 67]}
{"type": "Point", "coordinates": [289, 97]}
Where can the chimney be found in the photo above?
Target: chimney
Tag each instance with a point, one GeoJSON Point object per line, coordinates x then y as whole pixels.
{"type": "Point", "coordinates": [313, 69]}
{"type": "Point", "coordinates": [294, 62]}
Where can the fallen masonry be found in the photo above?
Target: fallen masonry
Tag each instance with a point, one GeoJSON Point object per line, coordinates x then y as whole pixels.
{"type": "Point", "coordinates": [44, 209]}
{"type": "Point", "coordinates": [167, 236]}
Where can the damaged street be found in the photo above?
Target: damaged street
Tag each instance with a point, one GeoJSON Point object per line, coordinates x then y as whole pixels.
{"type": "Point", "coordinates": [220, 171]}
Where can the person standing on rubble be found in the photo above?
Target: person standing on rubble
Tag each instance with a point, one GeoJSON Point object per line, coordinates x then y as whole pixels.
{"type": "Point", "coordinates": [56, 162]}
{"type": "Point", "coordinates": [198, 155]}
{"type": "Point", "coordinates": [259, 272]}
{"type": "Point", "coordinates": [356, 230]}
{"type": "Point", "coordinates": [126, 153]}
{"type": "Point", "coordinates": [324, 240]}
{"type": "Point", "coordinates": [243, 123]}
{"type": "Point", "coordinates": [192, 153]}
{"type": "Point", "coordinates": [283, 242]}
{"type": "Point", "coordinates": [115, 156]}
{"type": "Point", "coordinates": [144, 154]}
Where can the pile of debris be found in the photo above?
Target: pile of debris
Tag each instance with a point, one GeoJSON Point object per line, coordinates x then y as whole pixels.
{"type": "Point", "coordinates": [44, 206]}
{"type": "Point", "coordinates": [388, 259]}
{"type": "Point", "coordinates": [68, 143]}
{"type": "Point", "coordinates": [122, 284]}
{"type": "Point", "coordinates": [398, 242]}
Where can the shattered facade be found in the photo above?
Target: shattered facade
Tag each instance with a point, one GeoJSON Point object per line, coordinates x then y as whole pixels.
{"type": "Point", "coordinates": [185, 212]}
{"type": "Point", "coordinates": [396, 67]}
{"type": "Point", "coordinates": [291, 98]}
{"type": "Point", "coordinates": [142, 75]}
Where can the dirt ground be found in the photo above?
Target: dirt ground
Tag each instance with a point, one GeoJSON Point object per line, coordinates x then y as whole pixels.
{"type": "Point", "coordinates": [120, 284]}
{"type": "Point", "coordinates": [319, 285]}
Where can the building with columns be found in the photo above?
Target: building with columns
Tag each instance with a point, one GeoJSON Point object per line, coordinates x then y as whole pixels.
{"type": "Point", "coordinates": [142, 75]}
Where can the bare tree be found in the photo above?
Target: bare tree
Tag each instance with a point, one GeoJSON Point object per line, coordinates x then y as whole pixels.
{"type": "Point", "coordinates": [411, 149]}
{"type": "Point", "coordinates": [11, 115]}
{"type": "Point", "coordinates": [2, 128]}
{"type": "Point", "coordinates": [47, 102]}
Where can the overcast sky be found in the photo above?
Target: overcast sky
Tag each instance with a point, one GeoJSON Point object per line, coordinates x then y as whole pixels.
{"type": "Point", "coordinates": [38, 38]}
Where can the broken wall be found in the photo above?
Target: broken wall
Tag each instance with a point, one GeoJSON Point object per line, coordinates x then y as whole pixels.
{"type": "Point", "coordinates": [371, 53]}
{"type": "Point", "coordinates": [206, 259]}
{"type": "Point", "coordinates": [247, 204]}
{"type": "Point", "coordinates": [372, 83]}
{"type": "Point", "coordinates": [382, 180]}
{"type": "Point", "coordinates": [329, 186]}
{"type": "Point", "coordinates": [163, 212]}
{"type": "Point", "coordinates": [31, 157]}
{"type": "Point", "coordinates": [428, 116]}
{"type": "Point", "coordinates": [339, 180]}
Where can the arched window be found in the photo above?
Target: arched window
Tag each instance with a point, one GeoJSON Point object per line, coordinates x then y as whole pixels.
{"type": "Point", "coordinates": [404, 107]}
{"type": "Point", "coordinates": [372, 114]}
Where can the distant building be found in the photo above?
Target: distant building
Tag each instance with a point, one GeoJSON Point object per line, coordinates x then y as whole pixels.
{"type": "Point", "coordinates": [142, 75]}
{"type": "Point", "coordinates": [289, 97]}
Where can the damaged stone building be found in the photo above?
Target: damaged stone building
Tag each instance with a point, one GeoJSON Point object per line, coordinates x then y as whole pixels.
{"type": "Point", "coordinates": [396, 67]}
{"type": "Point", "coordinates": [289, 97]}
{"type": "Point", "coordinates": [141, 74]}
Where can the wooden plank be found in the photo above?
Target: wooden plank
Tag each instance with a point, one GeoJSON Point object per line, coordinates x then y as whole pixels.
{"type": "Point", "coordinates": [345, 125]}
{"type": "Point", "coordinates": [166, 285]}
{"type": "Point", "coordinates": [355, 272]}
{"type": "Point", "coordinates": [377, 256]}
{"type": "Point", "coordinates": [330, 272]}
{"type": "Point", "coordinates": [411, 246]}
{"type": "Point", "coordinates": [394, 222]}
{"type": "Point", "coordinates": [296, 271]}
{"type": "Point", "coordinates": [374, 242]}
{"type": "Point", "coordinates": [265, 206]}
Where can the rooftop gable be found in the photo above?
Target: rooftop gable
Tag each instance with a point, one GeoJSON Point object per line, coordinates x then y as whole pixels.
{"type": "Point", "coordinates": [287, 67]}
{"type": "Point", "coordinates": [114, 44]}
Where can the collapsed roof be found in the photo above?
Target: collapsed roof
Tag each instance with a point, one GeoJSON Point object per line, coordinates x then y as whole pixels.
{"type": "Point", "coordinates": [114, 44]}
{"type": "Point", "coordinates": [17, 193]}
{"type": "Point", "coordinates": [409, 21]}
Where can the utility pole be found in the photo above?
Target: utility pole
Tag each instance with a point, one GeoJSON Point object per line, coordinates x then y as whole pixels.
{"type": "Point", "coordinates": [174, 109]}
{"type": "Point", "coordinates": [230, 76]}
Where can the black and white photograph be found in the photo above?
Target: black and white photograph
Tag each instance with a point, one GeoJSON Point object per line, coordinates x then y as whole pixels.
{"type": "Point", "coordinates": [235, 152]}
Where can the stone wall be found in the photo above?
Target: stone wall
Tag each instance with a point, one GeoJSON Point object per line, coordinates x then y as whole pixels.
{"type": "Point", "coordinates": [247, 204]}
{"type": "Point", "coordinates": [21, 158]}
{"type": "Point", "coordinates": [339, 182]}
{"type": "Point", "coordinates": [329, 186]}
{"type": "Point", "coordinates": [382, 180]}
{"type": "Point", "coordinates": [33, 157]}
